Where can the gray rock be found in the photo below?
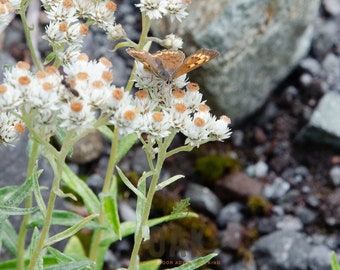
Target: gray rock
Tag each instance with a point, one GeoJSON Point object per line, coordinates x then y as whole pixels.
{"type": "Point", "coordinates": [258, 170]}
{"type": "Point", "coordinates": [311, 65]}
{"type": "Point", "coordinates": [230, 213]}
{"type": "Point", "coordinates": [324, 126]}
{"type": "Point", "coordinates": [332, 6]}
{"type": "Point", "coordinates": [277, 189]}
{"type": "Point", "coordinates": [306, 215]}
{"type": "Point", "coordinates": [203, 199]}
{"type": "Point", "coordinates": [289, 223]}
{"type": "Point", "coordinates": [319, 258]}
{"type": "Point", "coordinates": [334, 173]}
{"type": "Point", "coordinates": [284, 250]}
{"type": "Point", "coordinates": [231, 238]}
{"type": "Point", "coordinates": [324, 37]}
{"type": "Point", "coordinates": [260, 41]}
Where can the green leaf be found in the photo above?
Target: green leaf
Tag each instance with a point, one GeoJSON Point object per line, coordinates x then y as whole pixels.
{"type": "Point", "coordinates": [36, 190]}
{"type": "Point", "coordinates": [61, 217]}
{"type": "Point", "coordinates": [12, 211]}
{"type": "Point", "coordinates": [74, 248]}
{"type": "Point", "coordinates": [181, 206]}
{"type": "Point", "coordinates": [4, 191]}
{"type": "Point", "coordinates": [124, 144]}
{"type": "Point", "coordinates": [335, 264]}
{"type": "Point", "coordinates": [81, 188]}
{"type": "Point", "coordinates": [111, 212]}
{"type": "Point", "coordinates": [59, 256]}
{"type": "Point", "coordinates": [70, 231]}
{"type": "Point", "coordinates": [150, 265]}
{"type": "Point", "coordinates": [9, 237]}
{"type": "Point", "coordinates": [129, 184]}
{"type": "Point", "coordinates": [34, 241]}
{"type": "Point", "coordinates": [15, 197]}
{"type": "Point", "coordinates": [49, 58]}
{"type": "Point", "coordinates": [127, 228]}
{"type": "Point", "coordinates": [63, 195]}
{"type": "Point", "coordinates": [82, 265]}
{"type": "Point", "coordinates": [168, 181]}
{"type": "Point", "coordinates": [196, 263]}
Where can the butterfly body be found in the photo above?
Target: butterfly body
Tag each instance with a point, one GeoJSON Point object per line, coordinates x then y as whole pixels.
{"type": "Point", "coordinates": [170, 64]}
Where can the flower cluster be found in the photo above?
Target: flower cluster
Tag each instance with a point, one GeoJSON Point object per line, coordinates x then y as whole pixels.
{"type": "Point", "coordinates": [86, 92]}
{"type": "Point", "coordinates": [179, 107]}
{"type": "Point", "coordinates": [156, 9]}
{"type": "Point", "coordinates": [70, 20]}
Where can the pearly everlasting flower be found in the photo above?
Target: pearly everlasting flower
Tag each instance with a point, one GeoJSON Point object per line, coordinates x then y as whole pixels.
{"type": "Point", "coordinates": [103, 14]}
{"type": "Point", "coordinates": [196, 131]}
{"type": "Point", "coordinates": [76, 115]}
{"type": "Point", "coordinates": [115, 32]}
{"type": "Point", "coordinates": [6, 14]}
{"type": "Point", "coordinates": [9, 97]}
{"type": "Point", "coordinates": [143, 103]}
{"type": "Point", "coordinates": [156, 125]}
{"type": "Point", "coordinates": [10, 128]}
{"type": "Point", "coordinates": [176, 9]}
{"type": "Point", "coordinates": [172, 41]}
{"type": "Point", "coordinates": [154, 9]}
{"type": "Point", "coordinates": [83, 7]}
{"type": "Point", "coordinates": [220, 128]}
{"type": "Point", "coordinates": [127, 119]}
{"type": "Point", "coordinates": [15, 3]}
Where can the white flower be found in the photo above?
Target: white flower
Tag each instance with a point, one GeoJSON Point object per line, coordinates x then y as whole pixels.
{"type": "Point", "coordinates": [143, 102]}
{"type": "Point", "coordinates": [220, 128]}
{"type": "Point", "coordinates": [156, 125]}
{"type": "Point", "coordinates": [77, 116]}
{"type": "Point", "coordinates": [10, 97]}
{"type": "Point", "coordinates": [6, 14]}
{"type": "Point", "coordinates": [10, 127]}
{"type": "Point", "coordinates": [127, 119]}
{"type": "Point", "coordinates": [177, 9]}
{"type": "Point", "coordinates": [173, 42]}
{"type": "Point", "coordinates": [115, 32]}
{"type": "Point", "coordinates": [103, 14]}
{"type": "Point", "coordinates": [154, 9]}
{"type": "Point", "coordinates": [196, 131]}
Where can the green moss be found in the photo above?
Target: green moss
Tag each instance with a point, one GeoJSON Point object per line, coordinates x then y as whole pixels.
{"type": "Point", "coordinates": [258, 205]}
{"type": "Point", "coordinates": [213, 166]}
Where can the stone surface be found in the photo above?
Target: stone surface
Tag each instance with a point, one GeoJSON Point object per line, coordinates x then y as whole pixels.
{"type": "Point", "coordinates": [238, 186]}
{"type": "Point", "coordinates": [260, 41]}
{"type": "Point", "coordinates": [319, 258]}
{"type": "Point", "coordinates": [231, 238]}
{"type": "Point", "coordinates": [324, 125]}
{"type": "Point", "coordinates": [284, 250]}
{"type": "Point", "coordinates": [203, 199]}
{"type": "Point", "coordinates": [88, 148]}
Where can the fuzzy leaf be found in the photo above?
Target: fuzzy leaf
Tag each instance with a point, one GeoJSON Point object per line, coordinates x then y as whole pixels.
{"type": "Point", "coordinates": [70, 231]}
{"type": "Point", "coordinates": [74, 248]}
{"type": "Point", "coordinates": [9, 237]}
{"type": "Point", "coordinates": [194, 264]}
{"type": "Point", "coordinates": [81, 188]}
{"type": "Point", "coordinates": [111, 212]}
{"type": "Point", "coordinates": [61, 217]}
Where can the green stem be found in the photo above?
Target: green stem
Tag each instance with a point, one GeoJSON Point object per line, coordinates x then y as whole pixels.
{"type": "Point", "coordinates": [27, 30]}
{"type": "Point", "coordinates": [28, 204]}
{"type": "Point", "coordinates": [134, 259]}
{"type": "Point", "coordinates": [106, 188]}
{"type": "Point", "coordinates": [57, 163]}
{"type": "Point", "coordinates": [146, 22]}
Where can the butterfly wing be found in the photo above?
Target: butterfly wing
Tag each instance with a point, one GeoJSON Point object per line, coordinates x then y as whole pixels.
{"type": "Point", "coordinates": [147, 60]}
{"type": "Point", "coordinates": [168, 62]}
{"type": "Point", "coordinates": [195, 60]}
